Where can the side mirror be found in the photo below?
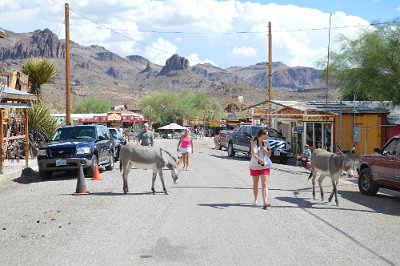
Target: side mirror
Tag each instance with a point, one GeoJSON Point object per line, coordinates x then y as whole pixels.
{"type": "Point", "coordinates": [102, 137]}
{"type": "Point", "coordinates": [378, 150]}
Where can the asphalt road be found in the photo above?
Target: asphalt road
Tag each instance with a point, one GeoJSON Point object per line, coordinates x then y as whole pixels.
{"type": "Point", "coordinates": [207, 219]}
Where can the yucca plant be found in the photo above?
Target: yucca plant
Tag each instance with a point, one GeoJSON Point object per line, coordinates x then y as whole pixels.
{"type": "Point", "coordinates": [39, 118]}
{"type": "Point", "coordinates": [40, 71]}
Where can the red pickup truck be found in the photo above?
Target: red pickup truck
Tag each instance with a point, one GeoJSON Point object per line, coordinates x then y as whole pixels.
{"type": "Point", "coordinates": [381, 169]}
{"type": "Point", "coordinates": [221, 140]}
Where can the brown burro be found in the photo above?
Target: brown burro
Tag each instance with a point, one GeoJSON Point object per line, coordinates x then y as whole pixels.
{"type": "Point", "coordinates": [147, 157]}
{"type": "Point", "coordinates": [328, 164]}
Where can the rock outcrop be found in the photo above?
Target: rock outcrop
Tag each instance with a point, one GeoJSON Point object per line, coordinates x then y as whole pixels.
{"type": "Point", "coordinates": [175, 62]}
{"type": "Point", "coordinates": [38, 44]}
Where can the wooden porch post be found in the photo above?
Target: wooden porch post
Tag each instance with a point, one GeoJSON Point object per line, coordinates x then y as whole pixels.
{"type": "Point", "coordinates": [1, 142]}
{"type": "Point", "coordinates": [26, 138]}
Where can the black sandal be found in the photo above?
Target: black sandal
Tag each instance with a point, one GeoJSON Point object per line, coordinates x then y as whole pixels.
{"type": "Point", "coordinates": [266, 206]}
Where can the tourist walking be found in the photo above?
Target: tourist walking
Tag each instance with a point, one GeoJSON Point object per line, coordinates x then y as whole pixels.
{"type": "Point", "coordinates": [185, 147]}
{"type": "Point", "coordinates": [260, 165]}
{"type": "Point", "coordinates": [146, 137]}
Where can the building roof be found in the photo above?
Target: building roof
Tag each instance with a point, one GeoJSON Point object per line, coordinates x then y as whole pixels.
{"type": "Point", "coordinates": [352, 107]}
{"type": "Point", "coordinates": [13, 94]}
{"type": "Point", "coordinates": [331, 106]}
{"type": "Point", "coordinates": [133, 107]}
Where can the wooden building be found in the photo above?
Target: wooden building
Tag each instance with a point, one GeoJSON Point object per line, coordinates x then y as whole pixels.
{"type": "Point", "coordinates": [326, 124]}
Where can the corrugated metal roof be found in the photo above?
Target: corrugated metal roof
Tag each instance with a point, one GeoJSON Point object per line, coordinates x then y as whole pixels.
{"type": "Point", "coordinates": [10, 93]}
{"type": "Point", "coordinates": [353, 106]}
{"type": "Point", "coordinates": [15, 105]}
{"type": "Point", "coordinates": [394, 116]}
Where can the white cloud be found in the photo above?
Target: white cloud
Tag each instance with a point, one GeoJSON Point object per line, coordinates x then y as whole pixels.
{"type": "Point", "coordinates": [398, 9]}
{"type": "Point", "coordinates": [299, 35]}
{"type": "Point", "coordinates": [159, 51]}
{"type": "Point", "coordinates": [241, 52]}
{"type": "Point", "coordinates": [194, 60]}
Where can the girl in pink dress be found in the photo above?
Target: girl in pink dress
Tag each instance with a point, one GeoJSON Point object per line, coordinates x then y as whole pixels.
{"type": "Point", "coordinates": [185, 146]}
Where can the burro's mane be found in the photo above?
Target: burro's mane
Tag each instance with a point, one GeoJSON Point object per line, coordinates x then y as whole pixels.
{"type": "Point", "coordinates": [170, 155]}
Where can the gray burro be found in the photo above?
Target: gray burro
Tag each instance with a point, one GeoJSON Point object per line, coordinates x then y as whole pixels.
{"type": "Point", "coordinates": [13, 169]}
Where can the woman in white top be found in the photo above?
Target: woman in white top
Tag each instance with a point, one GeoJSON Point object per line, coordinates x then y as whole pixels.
{"type": "Point", "coordinates": [259, 149]}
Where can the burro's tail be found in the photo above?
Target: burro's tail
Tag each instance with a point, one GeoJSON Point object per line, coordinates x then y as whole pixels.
{"type": "Point", "coordinates": [310, 175]}
{"type": "Point", "coordinates": [120, 165]}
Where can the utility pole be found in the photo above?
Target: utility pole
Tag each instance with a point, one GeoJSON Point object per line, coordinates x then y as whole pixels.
{"type": "Point", "coordinates": [67, 67]}
{"type": "Point", "coordinates": [270, 72]}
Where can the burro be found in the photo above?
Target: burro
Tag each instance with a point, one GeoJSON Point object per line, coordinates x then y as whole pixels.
{"type": "Point", "coordinates": [147, 157]}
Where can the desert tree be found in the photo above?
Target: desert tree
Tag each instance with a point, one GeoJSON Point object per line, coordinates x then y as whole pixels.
{"type": "Point", "coordinates": [368, 66]}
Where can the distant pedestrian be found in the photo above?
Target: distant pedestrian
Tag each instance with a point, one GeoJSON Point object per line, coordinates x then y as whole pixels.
{"type": "Point", "coordinates": [146, 137]}
{"type": "Point", "coordinates": [260, 165]}
{"type": "Point", "coordinates": [185, 147]}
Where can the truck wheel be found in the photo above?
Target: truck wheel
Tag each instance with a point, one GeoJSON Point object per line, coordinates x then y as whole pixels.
{"type": "Point", "coordinates": [45, 175]}
{"type": "Point", "coordinates": [90, 171]}
{"type": "Point", "coordinates": [231, 151]}
{"type": "Point", "coordinates": [217, 145]}
{"type": "Point", "coordinates": [366, 184]}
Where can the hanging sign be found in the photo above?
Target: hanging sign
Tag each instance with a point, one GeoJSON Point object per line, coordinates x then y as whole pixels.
{"type": "Point", "coordinates": [318, 118]}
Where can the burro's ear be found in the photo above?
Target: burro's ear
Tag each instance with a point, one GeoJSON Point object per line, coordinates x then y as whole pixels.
{"type": "Point", "coordinates": [340, 148]}
{"type": "Point", "coordinates": [179, 160]}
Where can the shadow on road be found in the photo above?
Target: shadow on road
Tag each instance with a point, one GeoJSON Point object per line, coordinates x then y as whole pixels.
{"type": "Point", "coordinates": [236, 158]}
{"type": "Point", "coordinates": [28, 176]}
{"type": "Point", "coordinates": [226, 205]}
{"type": "Point", "coordinates": [381, 203]}
{"type": "Point", "coordinates": [205, 187]}
{"type": "Point", "coordinates": [122, 193]}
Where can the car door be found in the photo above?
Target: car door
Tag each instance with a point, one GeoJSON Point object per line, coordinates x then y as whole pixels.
{"type": "Point", "coordinates": [245, 139]}
{"type": "Point", "coordinates": [100, 144]}
{"type": "Point", "coordinates": [236, 143]}
{"type": "Point", "coordinates": [386, 162]}
{"type": "Point", "coordinates": [396, 166]}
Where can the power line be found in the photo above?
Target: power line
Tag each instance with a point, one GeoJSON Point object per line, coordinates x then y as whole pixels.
{"type": "Point", "coordinates": [118, 31]}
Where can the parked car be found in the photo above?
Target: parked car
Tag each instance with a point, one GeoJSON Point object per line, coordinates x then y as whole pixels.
{"type": "Point", "coordinates": [72, 146]}
{"type": "Point", "coordinates": [381, 169]}
{"type": "Point", "coordinates": [240, 141]}
{"type": "Point", "coordinates": [221, 140]}
{"type": "Point", "coordinates": [119, 141]}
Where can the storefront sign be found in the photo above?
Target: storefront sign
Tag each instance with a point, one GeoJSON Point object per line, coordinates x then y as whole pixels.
{"type": "Point", "coordinates": [261, 111]}
{"type": "Point", "coordinates": [318, 118]}
{"type": "Point", "coordinates": [114, 117]}
{"type": "Point", "coordinates": [299, 129]}
{"type": "Point", "coordinates": [214, 123]}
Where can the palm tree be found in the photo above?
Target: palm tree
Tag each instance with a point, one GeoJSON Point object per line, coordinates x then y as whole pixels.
{"type": "Point", "coordinates": [40, 71]}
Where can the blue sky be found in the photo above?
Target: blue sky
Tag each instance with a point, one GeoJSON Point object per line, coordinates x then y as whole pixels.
{"type": "Point", "coordinates": [221, 32]}
{"type": "Point", "coordinates": [368, 9]}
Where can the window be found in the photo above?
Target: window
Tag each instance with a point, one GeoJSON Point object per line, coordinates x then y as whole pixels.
{"type": "Point", "coordinates": [392, 148]}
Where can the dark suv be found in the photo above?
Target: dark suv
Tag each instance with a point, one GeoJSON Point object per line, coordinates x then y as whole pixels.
{"type": "Point", "coordinates": [381, 169]}
{"type": "Point", "coordinates": [240, 140]}
{"type": "Point", "coordinates": [72, 146]}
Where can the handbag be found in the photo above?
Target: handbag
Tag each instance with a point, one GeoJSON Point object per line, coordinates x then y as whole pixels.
{"type": "Point", "coordinates": [253, 164]}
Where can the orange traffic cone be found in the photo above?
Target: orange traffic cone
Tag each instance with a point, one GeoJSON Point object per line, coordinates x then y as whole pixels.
{"type": "Point", "coordinates": [81, 184]}
{"type": "Point", "coordinates": [96, 174]}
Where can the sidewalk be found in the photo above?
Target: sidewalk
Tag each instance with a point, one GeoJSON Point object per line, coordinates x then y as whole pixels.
{"type": "Point", "coordinates": [13, 169]}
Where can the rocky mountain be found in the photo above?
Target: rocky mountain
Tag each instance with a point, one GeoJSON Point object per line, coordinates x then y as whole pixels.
{"type": "Point", "coordinates": [97, 71]}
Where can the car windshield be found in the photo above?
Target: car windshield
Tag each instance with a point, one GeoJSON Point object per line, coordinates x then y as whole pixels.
{"type": "Point", "coordinates": [68, 133]}
{"type": "Point", "coordinates": [271, 132]}
{"type": "Point", "coordinates": [114, 133]}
